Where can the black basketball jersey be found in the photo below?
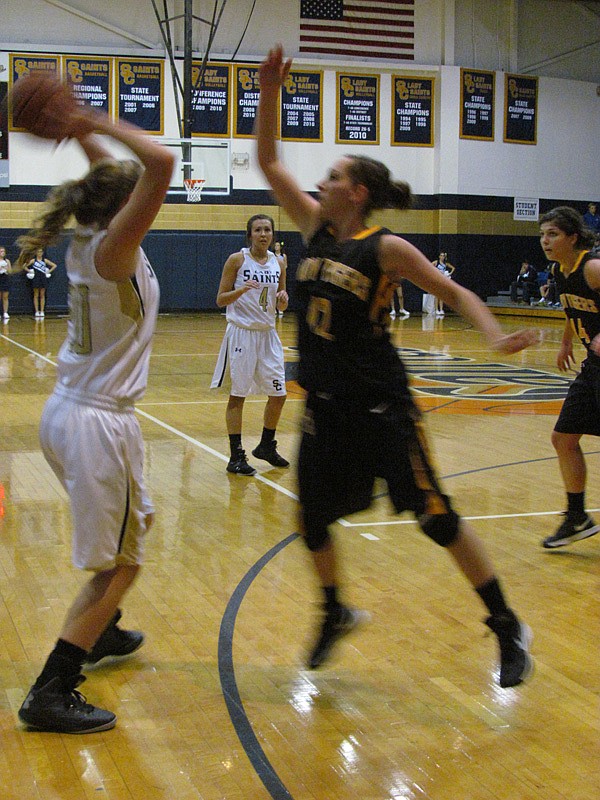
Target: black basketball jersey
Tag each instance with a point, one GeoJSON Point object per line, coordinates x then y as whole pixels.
{"type": "Point", "coordinates": [344, 302]}
{"type": "Point", "coordinates": [580, 302]}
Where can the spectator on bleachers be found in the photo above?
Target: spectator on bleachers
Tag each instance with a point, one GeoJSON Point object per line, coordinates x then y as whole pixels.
{"type": "Point", "coordinates": [527, 281]}
{"type": "Point", "coordinates": [591, 218]}
{"type": "Point", "coordinates": [548, 288]}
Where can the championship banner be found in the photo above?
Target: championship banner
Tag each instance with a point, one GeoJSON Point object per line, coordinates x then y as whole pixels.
{"type": "Point", "coordinates": [23, 63]}
{"type": "Point", "coordinates": [90, 80]}
{"type": "Point", "coordinates": [357, 111]}
{"type": "Point", "coordinates": [477, 104]}
{"type": "Point", "coordinates": [140, 102]}
{"type": "Point", "coordinates": [246, 89]}
{"type": "Point", "coordinates": [520, 109]}
{"type": "Point", "coordinates": [302, 107]}
{"type": "Point", "coordinates": [210, 100]}
{"type": "Point", "coordinates": [3, 121]}
{"type": "Point", "coordinates": [4, 177]}
{"type": "Point", "coordinates": [412, 110]}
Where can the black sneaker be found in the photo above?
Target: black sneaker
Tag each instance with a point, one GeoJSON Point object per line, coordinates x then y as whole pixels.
{"type": "Point", "coordinates": [115, 641]}
{"type": "Point", "coordinates": [268, 452]}
{"type": "Point", "coordinates": [336, 624]}
{"type": "Point", "coordinates": [57, 707]}
{"type": "Point", "coordinates": [571, 531]}
{"type": "Point", "coordinates": [514, 638]}
{"type": "Point", "coordinates": [238, 464]}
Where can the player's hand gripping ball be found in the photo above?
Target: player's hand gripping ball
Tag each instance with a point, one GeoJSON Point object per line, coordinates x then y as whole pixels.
{"type": "Point", "coordinates": [42, 105]}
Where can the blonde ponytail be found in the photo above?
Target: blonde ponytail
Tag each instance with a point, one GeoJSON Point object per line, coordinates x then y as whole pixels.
{"type": "Point", "coordinates": [92, 200]}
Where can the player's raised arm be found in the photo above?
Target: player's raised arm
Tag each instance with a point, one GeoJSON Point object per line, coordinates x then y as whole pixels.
{"type": "Point", "coordinates": [301, 207]}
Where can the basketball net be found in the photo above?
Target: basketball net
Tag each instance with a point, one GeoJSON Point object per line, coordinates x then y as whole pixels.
{"type": "Point", "coordinates": [193, 187]}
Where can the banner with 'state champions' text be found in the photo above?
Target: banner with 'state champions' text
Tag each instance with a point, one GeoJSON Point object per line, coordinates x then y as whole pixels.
{"type": "Point", "coordinates": [520, 109]}
{"type": "Point", "coordinates": [412, 110]}
{"type": "Point", "coordinates": [477, 104]}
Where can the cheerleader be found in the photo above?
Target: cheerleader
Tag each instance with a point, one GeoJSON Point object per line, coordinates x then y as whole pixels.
{"type": "Point", "coordinates": [39, 270]}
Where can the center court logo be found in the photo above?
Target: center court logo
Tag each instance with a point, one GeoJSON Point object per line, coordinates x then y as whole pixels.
{"type": "Point", "coordinates": [441, 375]}
{"type": "Point", "coordinates": [436, 376]}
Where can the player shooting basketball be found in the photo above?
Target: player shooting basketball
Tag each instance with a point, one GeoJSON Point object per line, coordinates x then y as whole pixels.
{"type": "Point", "coordinates": [89, 432]}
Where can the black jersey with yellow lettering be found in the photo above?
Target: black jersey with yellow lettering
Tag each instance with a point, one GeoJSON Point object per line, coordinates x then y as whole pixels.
{"type": "Point", "coordinates": [344, 302]}
{"type": "Point", "coordinates": [581, 303]}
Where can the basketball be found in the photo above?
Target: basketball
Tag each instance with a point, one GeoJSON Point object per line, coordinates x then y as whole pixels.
{"type": "Point", "coordinates": [42, 105]}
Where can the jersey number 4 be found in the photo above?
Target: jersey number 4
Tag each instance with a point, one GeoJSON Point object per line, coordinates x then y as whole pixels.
{"type": "Point", "coordinates": [263, 300]}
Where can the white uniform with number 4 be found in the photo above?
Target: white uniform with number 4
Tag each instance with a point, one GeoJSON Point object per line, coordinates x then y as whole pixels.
{"type": "Point", "coordinates": [89, 432]}
{"type": "Point", "coordinates": [251, 349]}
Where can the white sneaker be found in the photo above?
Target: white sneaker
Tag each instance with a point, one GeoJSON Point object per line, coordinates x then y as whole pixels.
{"type": "Point", "coordinates": [41, 315]}
{"type": "Point", "coordinates": [439, 314]}
{"type": "Point", "coordinates": [393, 314]}
{"type": "Point", "coordinates": [405, 313]}
{"type": "Point", "coordinates": [5, 317]}
{"type": "Point", "coordinates": [36, 315]}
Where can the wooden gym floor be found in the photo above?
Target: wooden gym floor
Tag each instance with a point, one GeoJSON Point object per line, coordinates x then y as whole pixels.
{"type": "Point", "coordinates": [217, 704]}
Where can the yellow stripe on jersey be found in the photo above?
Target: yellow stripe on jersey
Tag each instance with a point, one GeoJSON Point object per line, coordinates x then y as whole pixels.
{"type": "Point", "coordinates": [130, 302]}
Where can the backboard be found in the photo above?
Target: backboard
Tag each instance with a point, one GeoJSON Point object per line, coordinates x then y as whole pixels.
{"type": "Point", "coordinates": [209, 159]}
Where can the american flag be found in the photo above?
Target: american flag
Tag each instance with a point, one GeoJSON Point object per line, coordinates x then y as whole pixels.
{"type": "Point", "coordinates": [372, 29]}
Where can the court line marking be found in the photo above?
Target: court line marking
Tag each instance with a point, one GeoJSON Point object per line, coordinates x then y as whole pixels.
{"type": "Point", "coordinates": [212, 452]}
{"type": "Point", "coordinates": [207, 402]}
{"type": "Point", "coordinates": [233, 700]}
{"type": "Point", "coordinates": [28, 349]}
{"type": "Point", "coordinates": [171, 429]}
{"type": "Point", "coordinates": [470, 519]}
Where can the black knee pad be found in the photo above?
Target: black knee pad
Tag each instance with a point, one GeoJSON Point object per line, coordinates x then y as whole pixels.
{"type": "Point", "coordinates": [316, 535]}
{"type": "Point", "coordinates": [442, 528]}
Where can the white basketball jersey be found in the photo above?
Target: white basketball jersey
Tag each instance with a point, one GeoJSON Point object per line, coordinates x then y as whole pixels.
{"type": "Point", "coordinates": [110, 328]}
{"type": "Point", "coordinates": [256, 309]}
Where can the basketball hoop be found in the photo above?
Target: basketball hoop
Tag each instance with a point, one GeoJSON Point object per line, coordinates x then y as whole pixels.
{"type": "Point", "coordinates": [193, 187]}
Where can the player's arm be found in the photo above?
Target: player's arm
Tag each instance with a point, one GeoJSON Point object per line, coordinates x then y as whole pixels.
{"type": "Point", "coordinates": [301, 207]}
{"type": "Point", "coordinates": [400, 259]}
{"type": "Point", "coordinates": [94, 149]}
{"type": "Point", "coordinates": [565, 358]}
{"type": "Point", "coordinates": [226, 293]}
{"type": "Point", "coordinates": [282, 295]}
{"type": "Point", "coordinates": [591, 273]}
{"type": "Point", "coordinates": [50, 264]}
{"type": "Point", "coordinates": [117, 255]}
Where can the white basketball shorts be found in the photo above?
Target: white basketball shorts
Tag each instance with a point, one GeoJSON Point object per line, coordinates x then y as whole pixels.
{"type": "Point", "coordinates": [254, 360]}
{"type": "Point", "coordinates": [97, 453]}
